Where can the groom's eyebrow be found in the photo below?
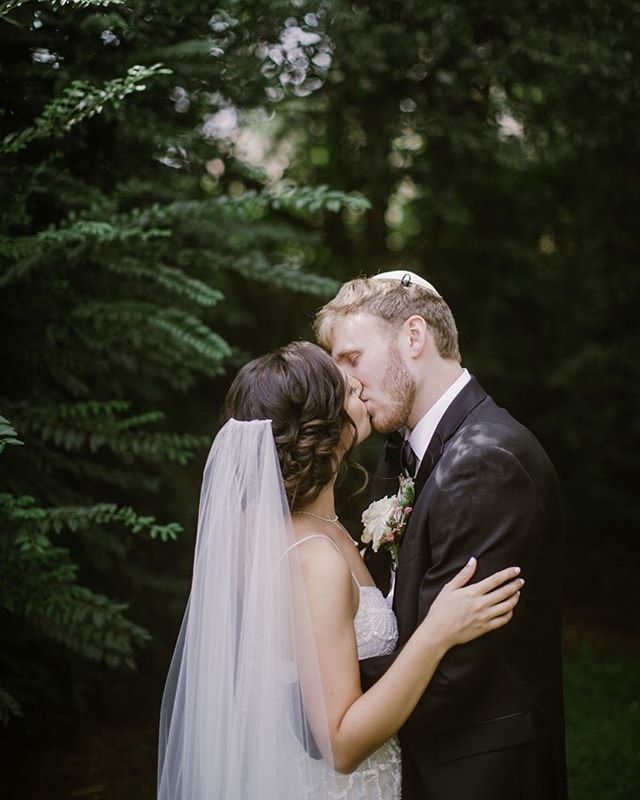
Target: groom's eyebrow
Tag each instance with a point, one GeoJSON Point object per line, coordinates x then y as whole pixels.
{"type": "Point", "coordinates": [347, 353]}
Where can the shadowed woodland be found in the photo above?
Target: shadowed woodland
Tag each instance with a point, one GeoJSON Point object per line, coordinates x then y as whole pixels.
{"type": "Point", "coordinates": [182, 186]}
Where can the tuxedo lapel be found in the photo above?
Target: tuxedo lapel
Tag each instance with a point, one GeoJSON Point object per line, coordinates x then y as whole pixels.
{"type": "Point", "coordinates": [383, 484]}
{"type": "Point", "coordinates": [385, 478]}
{"type": "Point", "coordinates": [462, 405]}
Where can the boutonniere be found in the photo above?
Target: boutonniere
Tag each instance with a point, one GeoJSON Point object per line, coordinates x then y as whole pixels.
{"type": "Point", "coordinates": [385, 520]}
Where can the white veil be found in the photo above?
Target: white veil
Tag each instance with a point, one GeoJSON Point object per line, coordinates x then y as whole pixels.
{"type": "Point", "coordinates": [233, 723]}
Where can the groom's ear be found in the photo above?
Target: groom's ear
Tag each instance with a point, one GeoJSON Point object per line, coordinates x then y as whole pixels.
{"type": "Point", "coordinates": [417, 335]}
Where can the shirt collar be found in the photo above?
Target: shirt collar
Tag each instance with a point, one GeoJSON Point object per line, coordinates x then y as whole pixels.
{"type": "Point", "coordinates": [422, 434]}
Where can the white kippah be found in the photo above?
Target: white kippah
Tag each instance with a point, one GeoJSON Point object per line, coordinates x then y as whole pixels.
{"type": "Point", "coordinates": [407, 278]}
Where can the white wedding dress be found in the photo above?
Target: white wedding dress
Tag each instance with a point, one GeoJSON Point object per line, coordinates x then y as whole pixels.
{"type": "Point", "coordinates": [233, 724]}
{"type": "Point", "coordinates": [379, 776]}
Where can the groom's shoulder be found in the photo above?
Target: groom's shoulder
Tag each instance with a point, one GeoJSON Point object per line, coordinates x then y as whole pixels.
{"type": "Point", "coordinates": [489, 426]}
{"type": "Point", "coordinates": [503, 425]}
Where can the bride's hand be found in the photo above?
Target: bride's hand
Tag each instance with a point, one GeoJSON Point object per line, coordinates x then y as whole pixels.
{"type": "Point", "coordinates": [461, 613]}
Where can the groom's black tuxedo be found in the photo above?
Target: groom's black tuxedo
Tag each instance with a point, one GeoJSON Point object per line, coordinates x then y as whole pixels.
{"type": "Point", "coordinates": [490, 724]}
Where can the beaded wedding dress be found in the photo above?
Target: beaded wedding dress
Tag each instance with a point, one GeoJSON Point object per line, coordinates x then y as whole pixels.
{"type": "Point", "coordinates": [379, 776]}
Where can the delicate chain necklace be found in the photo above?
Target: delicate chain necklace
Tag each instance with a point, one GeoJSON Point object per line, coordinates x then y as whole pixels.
{"type": "Point", "coordinates": [333, 520]}
{"type": "Point", "coordinates": [319, 516]}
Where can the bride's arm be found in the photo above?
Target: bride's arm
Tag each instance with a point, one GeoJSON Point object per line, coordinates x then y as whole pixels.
{"type": "Point", "coordinates": [360, 722]}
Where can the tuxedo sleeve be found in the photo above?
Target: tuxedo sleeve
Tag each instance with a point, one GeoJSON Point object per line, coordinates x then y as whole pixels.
{"type": "Point", "coordinates": [485, 504]}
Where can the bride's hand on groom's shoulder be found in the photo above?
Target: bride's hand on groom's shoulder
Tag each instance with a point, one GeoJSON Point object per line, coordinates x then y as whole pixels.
{"type": "Point", "coordinates": [461, 612]}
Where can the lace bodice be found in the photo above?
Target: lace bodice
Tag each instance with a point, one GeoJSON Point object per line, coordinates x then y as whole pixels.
{"type": "Point", "coordinates": [379, 776]}
{"type": "Point", "coordinates": [375, 624]}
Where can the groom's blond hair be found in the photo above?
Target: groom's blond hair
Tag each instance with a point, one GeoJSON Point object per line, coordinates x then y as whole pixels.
{"type": "Point", "coordinates": [393, 302]}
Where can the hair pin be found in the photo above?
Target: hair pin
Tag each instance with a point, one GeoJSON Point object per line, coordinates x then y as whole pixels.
{"type": "Point", "coordinates": [407, 279]}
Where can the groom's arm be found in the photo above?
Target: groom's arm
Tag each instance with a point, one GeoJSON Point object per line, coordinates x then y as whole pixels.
{"type": "Point", "coordinates": [486, 505]}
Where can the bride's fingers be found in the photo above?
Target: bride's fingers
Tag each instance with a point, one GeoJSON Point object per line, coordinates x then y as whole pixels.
{"type": "Point", "coordinates": [497, 579]}
{"type": "Point", "coordinates": [504, 591]}
{"type": "Point", "coordinates": [500, 609]}
{"type": "Point", "coordinates": [464, 576]}
{"type": "Point", "coordinates": [498, 622]}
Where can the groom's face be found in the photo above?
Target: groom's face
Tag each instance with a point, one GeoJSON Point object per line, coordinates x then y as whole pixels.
{"type": "Point", "coordinates": [367, 348]}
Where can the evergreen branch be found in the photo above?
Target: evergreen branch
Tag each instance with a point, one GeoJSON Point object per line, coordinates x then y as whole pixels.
{"type": "Point", "coordinates": [312, 199]}
{"type": "Point", "coordinates": [38, 580]}
{"type": "Point", "coordinates": [192, 334]}
{"type": "Point", "coordinates": [252, 204]}
{"type": "Point", "coordinates": [185, 331]}
{"type": "Point", "coordinates": [89, 624]}
{"type": "Point", "coordinates": [22, 511]}
{"type": "Point", "coordinates": [94, 424]}
{"type": "Point", "coordinates": [256, 267]}
{"type": "Point", "coordinates": [169, 278]}
{"type": "Point", "coordinates": [61, 465]}
{"type": "Point", "coordinates": [148, 418]}
{"type": "Point", "coordinates": [79, 232]}
{"type": "Point", "coordinates": [38, 584]}
{"type": "Point", "coordinates": [79, 518]}
{"type": "Point", "coordinates": [78, 102]}
{"type": "Point", "coordinates": [7, 434]}
{"type": "Point", "coordinates": [100, 410]}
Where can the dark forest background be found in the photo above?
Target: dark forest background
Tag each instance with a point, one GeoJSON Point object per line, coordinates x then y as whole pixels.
{"type": "Point", "coordinates": [183, 184]}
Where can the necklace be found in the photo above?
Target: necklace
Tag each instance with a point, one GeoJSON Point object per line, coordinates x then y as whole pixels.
{"type": "Point", "coordinates": [333, 520]}
{"type": "Point", "coordinates": [319, 516]}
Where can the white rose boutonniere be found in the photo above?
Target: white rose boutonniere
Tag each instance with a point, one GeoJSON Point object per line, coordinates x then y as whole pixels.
{"type": "Point", "coordinates": [385, 520]}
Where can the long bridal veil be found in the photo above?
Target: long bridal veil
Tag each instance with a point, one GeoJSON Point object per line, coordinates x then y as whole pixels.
{"type": "Point", "coordinates": [242, 716]}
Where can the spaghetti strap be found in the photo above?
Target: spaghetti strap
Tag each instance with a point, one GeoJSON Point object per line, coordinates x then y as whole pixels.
{"type": "Point", "coordinates": [329, 539]}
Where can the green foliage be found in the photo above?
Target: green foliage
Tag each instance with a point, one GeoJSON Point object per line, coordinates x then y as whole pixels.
{"type": "Point", "coordinates": [38, 580]}
{"type": "Point", "coordinates": [501, 161]}
{"type": "Point", "coordinates": [78, 102]}
{"type": "Point", "coordinates": [255, 267]}
{"type": "Point", "coordinates": [10, 5]}
{"type": "Point", "coordinates": [138, 245]}
{"type": "Point", "coordinates": [171, 279]}
{"type": "Point", "coordinates": [7, 434]}
{"type": "Point", "coordinates": [144, 250]}
{"type": "Point", "coordinates": [603, 724]}
{"type": "Point", "coordinates": [95, 425]}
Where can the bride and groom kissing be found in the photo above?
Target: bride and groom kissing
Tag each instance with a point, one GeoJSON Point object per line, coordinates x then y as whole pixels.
{"type": "Point", "coordinates": [295, 674]}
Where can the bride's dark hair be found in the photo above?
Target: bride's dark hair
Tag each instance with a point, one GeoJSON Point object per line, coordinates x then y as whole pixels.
{"type": "Point", "coordinates": [302, 391]}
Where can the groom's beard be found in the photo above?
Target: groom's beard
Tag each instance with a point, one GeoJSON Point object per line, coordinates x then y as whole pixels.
{"type": "Point", "coordinates": [398, 389]}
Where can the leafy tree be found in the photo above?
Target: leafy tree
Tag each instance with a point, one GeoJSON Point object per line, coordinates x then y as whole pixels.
{"type": "Point", "coordinates": [500, 158]}
{"type": "Point", "coordinates": [135, 233]}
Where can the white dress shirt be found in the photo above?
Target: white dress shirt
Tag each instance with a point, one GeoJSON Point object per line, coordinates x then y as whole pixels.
{"type": "Point", "coordinates": [422, 434]}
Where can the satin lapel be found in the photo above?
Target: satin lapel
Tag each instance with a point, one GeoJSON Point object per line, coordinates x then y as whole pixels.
{"type": "Point", "coordinates": [463, 404]}
{"type": "Point", "coordinates": [385, 479]}
{"type": "Point", "coordinates": [384, 483]}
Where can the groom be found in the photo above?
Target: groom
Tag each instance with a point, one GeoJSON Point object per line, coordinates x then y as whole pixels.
{"type": "Point", "coordinates": [490, 724]}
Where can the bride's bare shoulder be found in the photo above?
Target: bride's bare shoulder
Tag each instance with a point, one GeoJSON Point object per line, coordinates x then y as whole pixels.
{"type": "Point", "coordinates": [322, 563]}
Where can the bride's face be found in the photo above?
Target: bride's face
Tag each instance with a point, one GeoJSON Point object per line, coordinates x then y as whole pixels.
{"type": "Point", "coordinates": [356, 409]}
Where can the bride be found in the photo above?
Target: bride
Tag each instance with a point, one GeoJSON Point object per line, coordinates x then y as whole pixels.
{"type": "Point", "coordinates": [263, 698]}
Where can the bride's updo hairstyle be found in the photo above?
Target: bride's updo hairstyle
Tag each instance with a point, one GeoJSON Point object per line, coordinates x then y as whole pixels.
{"type": "Point", "coordinates": [302, 391]}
